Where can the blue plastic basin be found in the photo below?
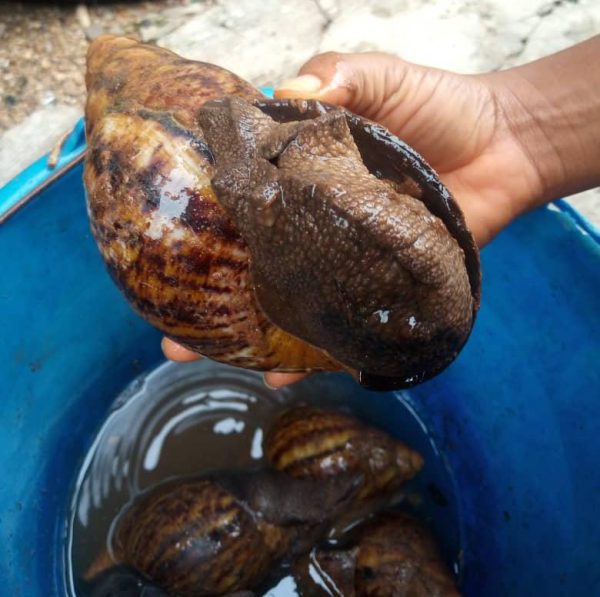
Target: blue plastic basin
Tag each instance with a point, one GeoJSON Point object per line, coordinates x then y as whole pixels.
{"type": "Point", "coordinates": [517, 416]}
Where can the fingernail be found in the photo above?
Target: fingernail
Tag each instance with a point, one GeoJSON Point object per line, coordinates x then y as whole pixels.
{"type": "Point", "coordinates": [302, 84]}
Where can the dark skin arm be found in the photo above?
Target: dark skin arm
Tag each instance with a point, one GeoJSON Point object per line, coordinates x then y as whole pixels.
{"type": "Point", "coordinates": [503, 142]}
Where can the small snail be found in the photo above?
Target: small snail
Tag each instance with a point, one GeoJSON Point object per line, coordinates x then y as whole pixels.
{"type": "Point", "coordinates": [223, 533]}
{"type": "Point", "coordinates": [286, 235]}
{"type": "Point", "coordinates": [393, 556]}
{"type": "Point", "coordinates": [317, 443]}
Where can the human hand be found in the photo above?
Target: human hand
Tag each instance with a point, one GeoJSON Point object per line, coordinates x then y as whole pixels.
{"type": "Point", "coordinates": [176, 352]}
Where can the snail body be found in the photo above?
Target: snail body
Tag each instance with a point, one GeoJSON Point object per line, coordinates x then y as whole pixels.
{"type": "Point", "coordinates": [219, 534]}
{"type": "Point", "coordinates": [318, 443]}
{"type": "Point", "coordinates": [286, 235]}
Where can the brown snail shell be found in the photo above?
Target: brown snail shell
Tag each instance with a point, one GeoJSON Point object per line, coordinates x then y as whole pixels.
{"type": "Point", "coordinates": [398, 556]}
{"type": "Point", "coordinates": [392, 556]}
{"type": "Point", "coordinates": [220, 534]}
{"type": "Point", "coordinates": [184, 269]}
{"type": "Point", "coordinates": [178, 239]}
{"type": "Point", "coordinates": [317, 443]}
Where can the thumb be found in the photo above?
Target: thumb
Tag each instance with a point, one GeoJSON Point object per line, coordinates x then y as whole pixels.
{"type": "Point", "coordinates": [365, 83]}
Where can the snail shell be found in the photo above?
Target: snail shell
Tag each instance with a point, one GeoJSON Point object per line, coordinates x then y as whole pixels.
{"type": "Point", "coordinates": [197, 539]}
{"type": "Point", "coordinates": [392, 556]}
{"type": "Point", "coordinates": [167, 242]}
{"type": "Point", "coordinates": [282, 235]}
{"type": "Point", "coordinates": [398, 556]}
{"type": "Point", "coordinates": [223, 533]}
{"type": "Point", "coordinates": [317, 443]}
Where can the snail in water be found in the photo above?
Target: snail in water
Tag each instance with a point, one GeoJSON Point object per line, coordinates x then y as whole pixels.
{"type": "Point", "coordinates": [319, 443]}
{"type": "Point", "coordinates": [223, 533]}
{"type": "Point", "coordinates": [392, 556]}
{"type": "Point", "coordinates": [286, 235]}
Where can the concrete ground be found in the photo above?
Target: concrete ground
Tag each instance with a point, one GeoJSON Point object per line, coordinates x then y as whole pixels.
{"type": "Point", "coordinates": [265, 41]}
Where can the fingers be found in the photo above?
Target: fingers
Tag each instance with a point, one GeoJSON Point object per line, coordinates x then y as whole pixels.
{"type": "Point", "coordinates": [363, 83]}
{"type": "Point", "coordinates": [278, 380]}
{"type": "Point", "coordinates": [176, 352]}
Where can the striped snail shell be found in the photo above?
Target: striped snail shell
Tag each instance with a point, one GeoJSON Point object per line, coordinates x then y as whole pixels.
{"type": "Point", "coordinates": [398, 556]}
{"type": "Point", "coordinates": [223, 533]}
{"type": "Point", "coordinates": [390, 556]}
{"type": "Point", "coordinates": [166, 240]}
{"type": "Point", "coordinates": [318, 443]}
